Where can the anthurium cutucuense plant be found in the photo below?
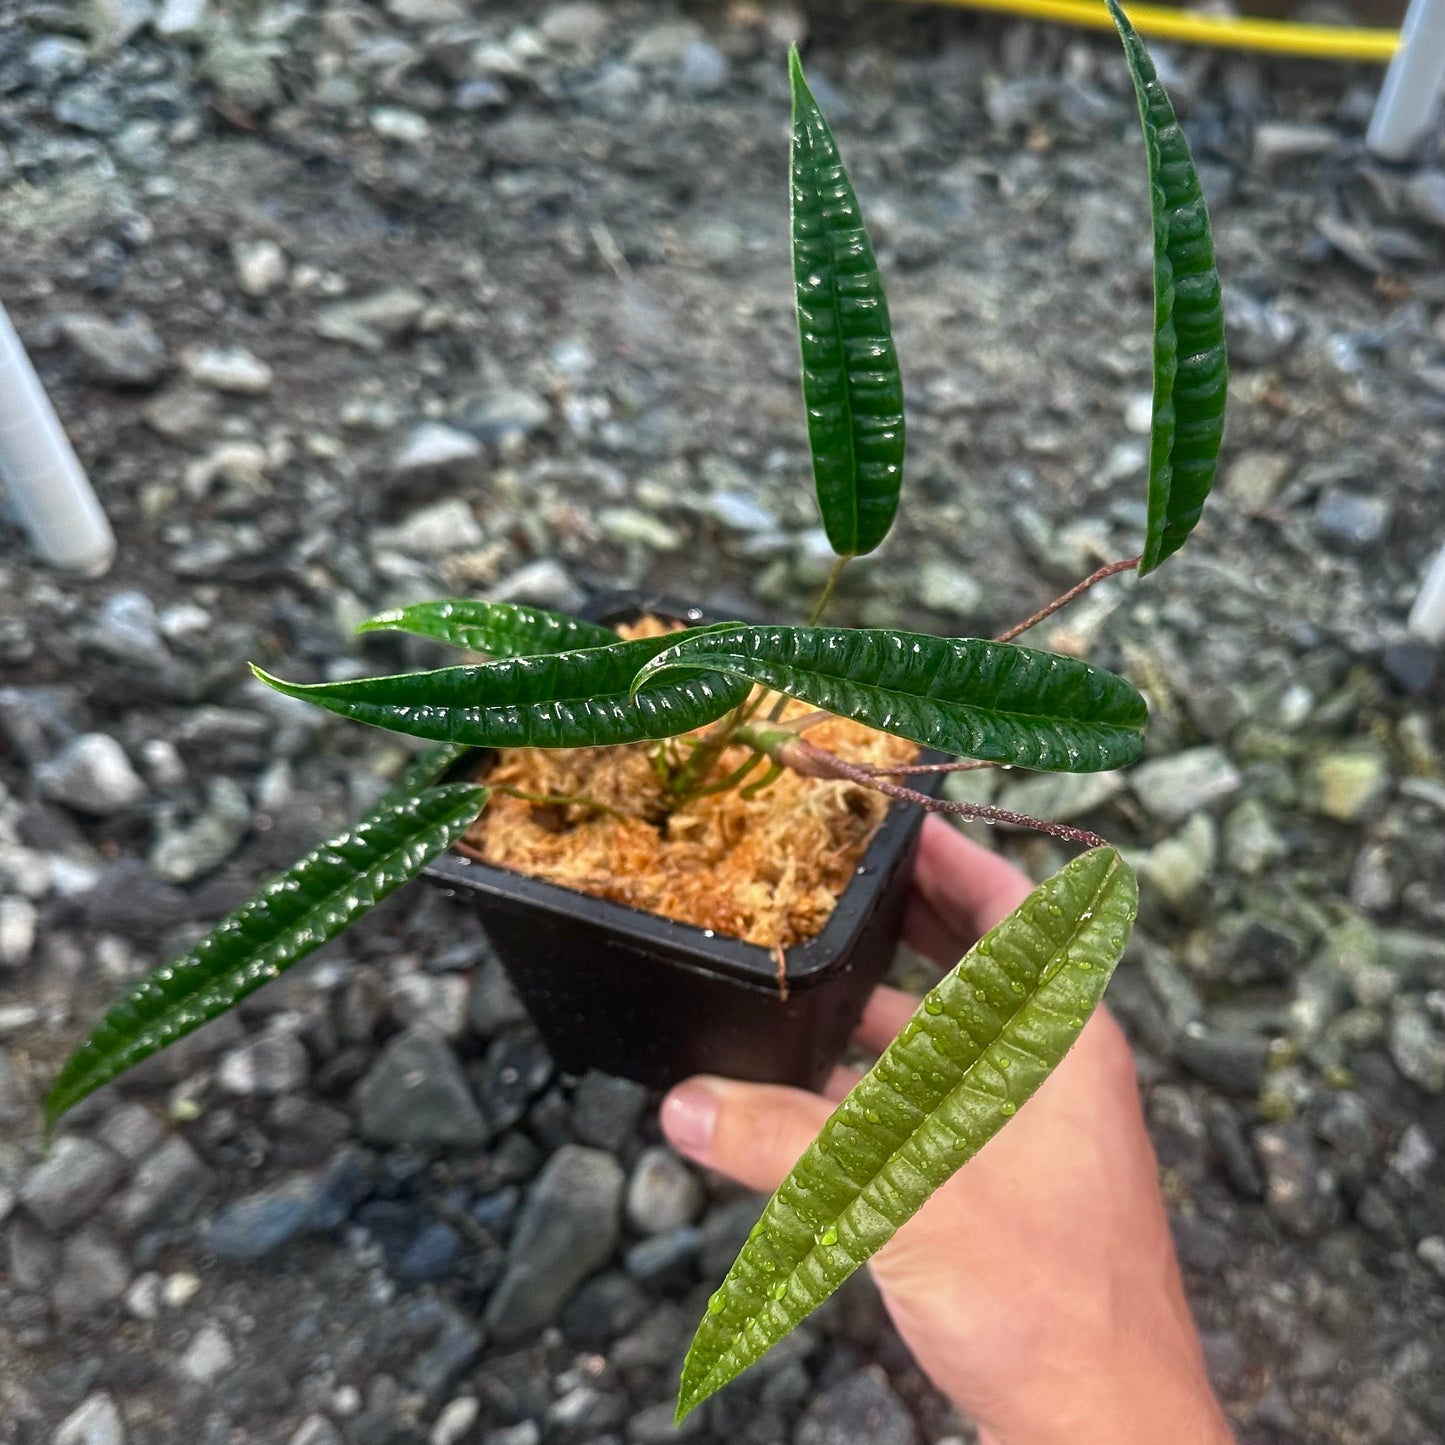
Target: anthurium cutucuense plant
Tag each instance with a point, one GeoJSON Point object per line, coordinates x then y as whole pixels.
{"type": "Point", "coordinates": [987, 1036]}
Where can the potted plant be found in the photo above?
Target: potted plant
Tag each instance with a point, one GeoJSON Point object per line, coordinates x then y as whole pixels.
{"type": "Point", "coordinates": [709, 706]}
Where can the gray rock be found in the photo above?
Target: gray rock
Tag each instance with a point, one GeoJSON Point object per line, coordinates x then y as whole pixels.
{"type": "Point", "coordinates": [1418, 1049]}
{"type": "Point", "coordinates": [230, 369]}
{"type": "Point", "coordinates": [173, 1175]}
{"type": "Point", "coordinates": [663, 1192]}
{"type": "Point", "coordinates": [1348, 784]}
{"type": "Point", "coordinates": [415, 1094]}
{"type": "Point", "coordinates": [183, 854]}
{"type": "Point", "coordinates": [1251, 841]}
{"type": "Point", "coordinates": [1352, 522]}
{"type": "Point", "coordinates": [1173, 787]}
{"type": "Point", "coordinates": [1179, 868]}
{"type": "Point", "coordinates": [132, 1131]}
{"type": "Point", "coordinates": [433, 447]}
{"type": "Point", "coordinates": [606, 1110]}
{"type": "Point", "coordinates": [93, 1273]}
{"type": "Point", "coordinates": [1254, 478]}
{"type": "Point", "coordinates": [32, 1256]}
{"type": "Point", "coordinates": [567, 1228]}
{"type": "Point", "coordinates": [430, 1256]}
{"type": "Point", "coordinates": [182, 20]}
{"type": "Point", "coordinates": [861, 1409]}
{"type": "Point", "coordinates": [92, 775]}
{"type": "Point", "coordinates": [501, 417]}
{"type": "Point", "coordinates": [71, 1183]}
{"type": "Point", "coordinates": [259, 1224]}
{"type": "Point", "coordinates": [275, 1063]}
{"type": "Point", "coordinates": [37, 720]}
{"type": "Point", "coordinates": [1228, 1060]}
{"type": "Point", "coordinates": [1291, 1170]}
{"type": "Point", "coordinates": [372, 322]}
{"type": "Point", "coordinates": [118, 353]}
{"type": "Point", "coordinates": [738, 512]}
{"type": "Point", "coordinates": [949, 588]}
{"type": "Point", "coordinates": [1278, 142]}
{"type": "Point", "coordinates": [15, 1103]}
{"type": "Point", "coordinates": [94, 1422]}
{"type": "Point", "coordinates": [127, 627]}
{"type": "Point", "coordinates": [129, 899]}
{"type": "Point", "coordinates": [1060, 796]}
{"type": "Point", "coordinates": [543, 583]}
{"type": "Point", "coordinates": [665, 45]}
{"type": "Point", "coordinates": [577, 26]}
{"type": "Point", "coordinates": [665, 1261]}
{"type": "Point", "coordinates": [242, 70]}
{"type": "Point", "coordinates": [208, 1356]}
{"type": "Point", "coordinates": [316, 1430]}
{"type": "Point", "coordinates": [437, 1000]}
{"type": "Point", "coordinates": [435, 531]}
{"type": "Point", "coordinates": [19, 919]}
{"type": "Point", "coordinates": [704, 68]}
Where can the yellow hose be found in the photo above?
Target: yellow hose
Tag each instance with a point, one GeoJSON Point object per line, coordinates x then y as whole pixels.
{"type": "Point", "coordinates": [1162, 22]}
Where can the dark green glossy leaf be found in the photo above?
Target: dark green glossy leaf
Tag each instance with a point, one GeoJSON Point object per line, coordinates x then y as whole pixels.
{"type": "Point", "coordinates": [851, 386]}
{"type": "Point", "coordinates": [500, 629]}
{"type": "Point", "coordinates": [290, 917]}
{"type": "Point", "coordinates": [565, 700]}
{"type": "Point", "coordinates": [973, 1055]}
{"type": "Point", "coordinates": [423, 771]}
{"type": "Point", "coordinates": [1191, 374]}
{"type": "Point", "coordinates": [962, 695]}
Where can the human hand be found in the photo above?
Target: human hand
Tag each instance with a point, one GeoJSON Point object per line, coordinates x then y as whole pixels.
{"type": "Point", "coordinates": [1038, 1288]}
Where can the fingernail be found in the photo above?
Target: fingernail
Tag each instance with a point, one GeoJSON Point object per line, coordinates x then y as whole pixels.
{"type": "Point", "coordinates": [689, 1116]}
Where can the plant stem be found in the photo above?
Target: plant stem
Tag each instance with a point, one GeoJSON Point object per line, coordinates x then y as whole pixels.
{"type": "Point", "coordinates": [880, 770]}
{"type": "Point", "coordinates": [1076, 591]}
{"type": "Point", "coordinates": [789, 750]}
{"type": "Point", "coordinates": [827, 593]}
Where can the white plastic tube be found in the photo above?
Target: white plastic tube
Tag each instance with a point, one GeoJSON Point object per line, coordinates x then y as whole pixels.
{"type": "Point", "coordinates": [1427, 616]}
{"type": "Point", "coordinates": [47, 486]}
{"type": "Point", "coordinates": [1412, 84]}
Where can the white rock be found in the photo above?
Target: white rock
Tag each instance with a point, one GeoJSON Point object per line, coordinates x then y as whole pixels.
{"type": "Point", "coordinates": [397, 123]}
{"type": "Point", "coordinates": [455, 1420]}
{"type": "Point", "coordinates": [96, 1422]}
{"type": "Point", "coordinates": [433, 446]}
{"type": "Point", "coordinates": [182, 19]}
{"type": "Point", "coordinates": [260, 265]}
{"type": "Point", "coordinates": [208, 1356]}
{"type": "Point", "coordinates": [91, 774]}
{"type": "Point", "coordinates": [434, 531]}
{"type": "Point", "coordinates": [228, 368]}
{"type": "Point", "coordinates": [18, 918]}
{"type": "Point", "coordinates": [242, 464]}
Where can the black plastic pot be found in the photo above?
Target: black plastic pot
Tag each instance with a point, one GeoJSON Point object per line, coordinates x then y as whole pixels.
{"type": "Point", "coordinates": [614, 988]}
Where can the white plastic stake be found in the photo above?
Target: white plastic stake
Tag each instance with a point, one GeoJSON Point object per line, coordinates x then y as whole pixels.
{"type": "Point", "coordinates": [1413, 83]}
{"type": "Point", "coordinates": [47, 486]}
{"type": "Point", "coordinates": [1427, 616]}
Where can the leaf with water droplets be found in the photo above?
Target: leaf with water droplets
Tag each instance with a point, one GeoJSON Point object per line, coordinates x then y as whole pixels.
{"type": "Point", "coordinates": [1191, 373]}
{"type": "Point", "coordinates": [499, 629]}
{"type": "Point", "coordinates": [576, 699]}
{"type": "Point", "coordinates": [292, 915]}
{"type": "Point", "coordinates": [963, 695]}
{"type": "Point", "coordinates": [1009, 1013]}
{"type": "Point", "coordinates": [851, 385]}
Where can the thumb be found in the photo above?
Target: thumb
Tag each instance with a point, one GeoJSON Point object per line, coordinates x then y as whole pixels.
{"type": "Point", "coordinates": [753, 1133]}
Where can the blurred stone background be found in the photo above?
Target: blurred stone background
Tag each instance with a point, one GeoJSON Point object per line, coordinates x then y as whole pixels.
{"type": "Point", "coordinates": [353, 304]}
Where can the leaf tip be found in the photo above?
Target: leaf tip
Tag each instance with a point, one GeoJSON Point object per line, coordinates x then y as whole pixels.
{"type": "Point", "coordinates": [382, 622]}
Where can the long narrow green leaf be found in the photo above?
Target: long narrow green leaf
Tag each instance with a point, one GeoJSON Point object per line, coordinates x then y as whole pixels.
{"type": "Point", "coordinates": [565, 700]}
{"type": "Point", "coordinates": [975, 1052]}
{"type": "Point", "coordinates": [422, 771]}
{"type": "Point", "coordinates": [851, 386]}
{"type": "Point", "coordinates": [1191, 373]}
{"type": "Point", "coordinates": [962, 695]}
{"type": "Point", "coordinates": [500, 629]}
{"type": "Point", "coordinates": [291, 916]}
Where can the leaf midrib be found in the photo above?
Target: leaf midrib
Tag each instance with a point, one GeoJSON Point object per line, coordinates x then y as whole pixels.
{"type": "Point", "coordinates": [1044, 980]}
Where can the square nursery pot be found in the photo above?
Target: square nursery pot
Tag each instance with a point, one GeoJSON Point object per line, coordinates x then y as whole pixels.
{"type": "Point", "coordinates": [631, 993]}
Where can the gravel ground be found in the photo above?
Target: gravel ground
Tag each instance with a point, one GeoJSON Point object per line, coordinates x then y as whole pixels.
{"type": "Point", "coordinates": [350, 305]}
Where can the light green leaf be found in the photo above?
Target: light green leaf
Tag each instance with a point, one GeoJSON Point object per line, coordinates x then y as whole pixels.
{"type": "Point", "coordinates": [961, 695]}
{"type": "Point", "coordinates": [851, 385]}
{"type": "Point", "coordinates": [292, 915]}
{"type": "Point", "coordinates": [975, 1052]}
{"type": "Point", "coordinates": [500, 629]}
{"type": "Point", "coordinates": [565, 700]}
{"type": "Point", "coordinates": [1191, 373]}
